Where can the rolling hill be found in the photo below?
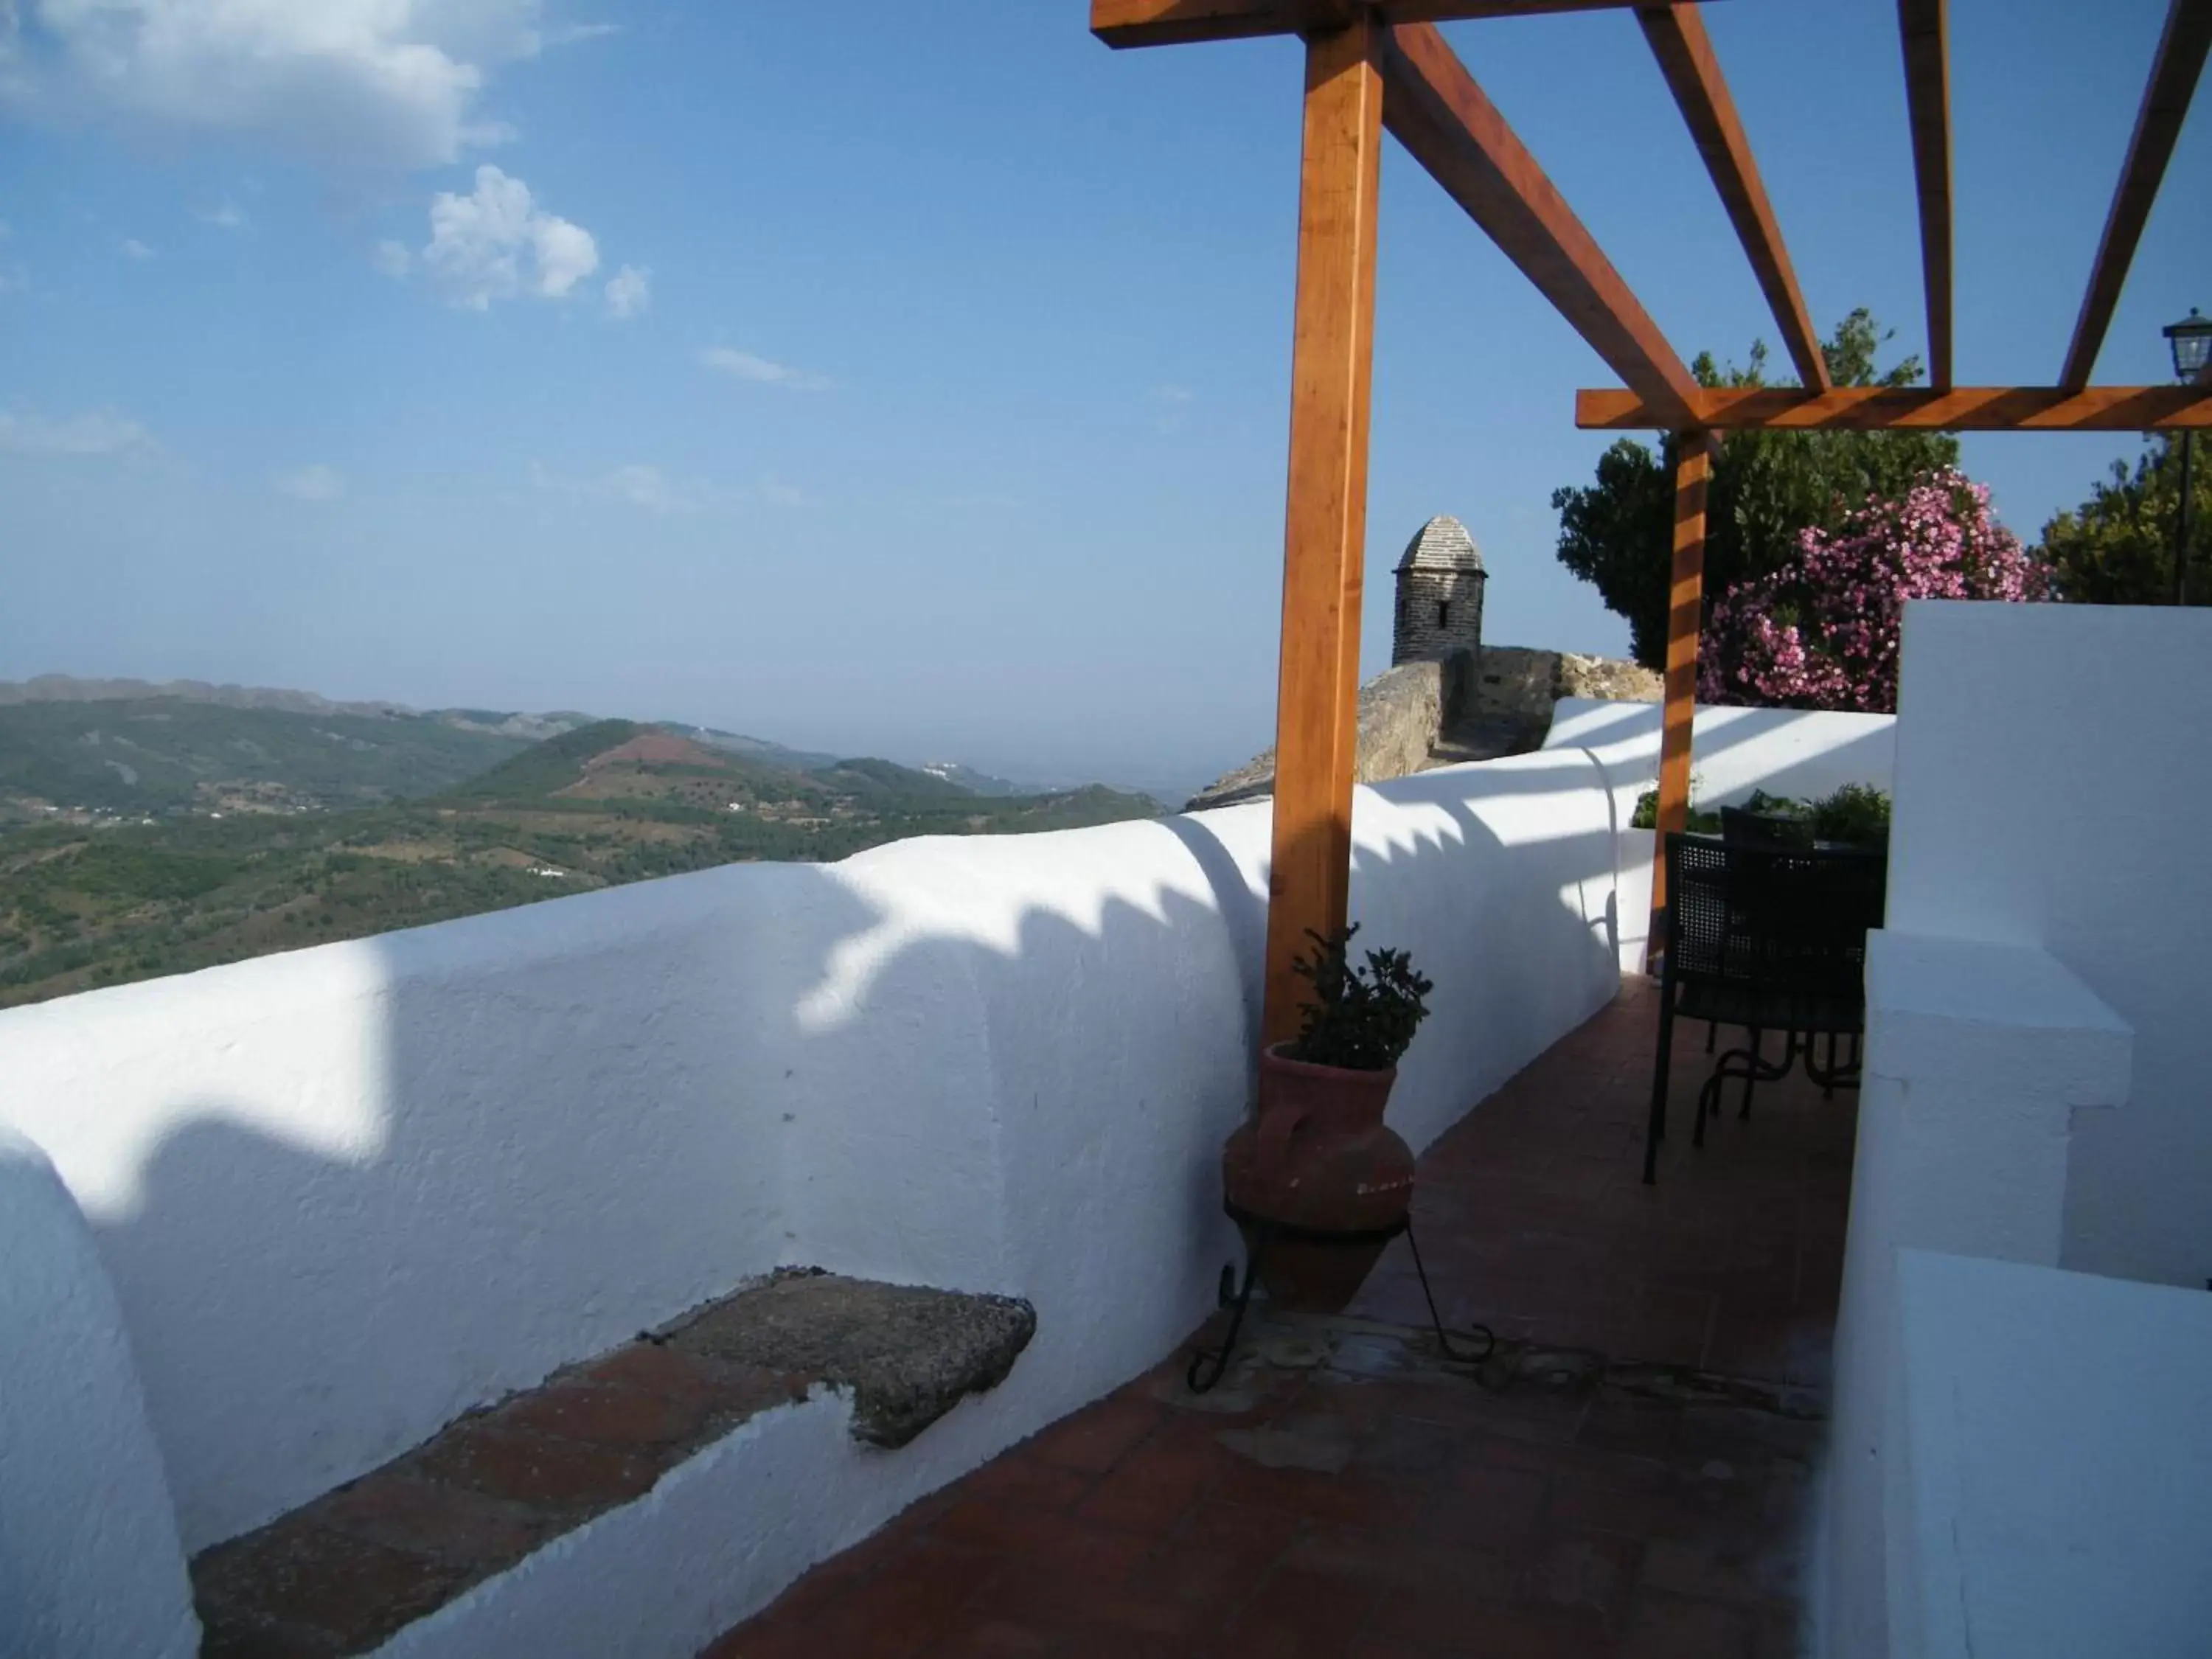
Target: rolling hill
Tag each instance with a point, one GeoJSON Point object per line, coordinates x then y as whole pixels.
{"type": "Point", "coordinates": [227, 832]}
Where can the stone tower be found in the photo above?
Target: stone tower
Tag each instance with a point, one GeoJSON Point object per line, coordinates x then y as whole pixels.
{"type": "Point", "coordinates": [1439, 594]}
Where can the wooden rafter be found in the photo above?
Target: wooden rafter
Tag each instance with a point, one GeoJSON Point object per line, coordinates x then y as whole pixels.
{"type": "Point", "coordinates": [1179, 22]}
{"type": "Point", "coordinates": [1926, 31]}
{"type": "Point", "coordinates": [1677, 34]}
{"type": "Point", "coordinates": [2174, 75]}
{"type": "Point", "coordinates": [1325, 529]}
{"type": "Point", "coordinates": [1433, 106]}
{"type": "Point", "coordinates": [1873, 409]}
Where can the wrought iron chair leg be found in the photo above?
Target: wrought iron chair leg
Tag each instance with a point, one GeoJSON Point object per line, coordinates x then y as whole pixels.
{"type": "Point", "coordinates": [1712, 1033]}
{"type": "Point", "coordinates": [1828, 1088]}
{"type": "Point", "coordinates": [1751, 1071]}
{"type": "Point", "coordinates": [1443, 1342]}
{"type": "Point", "coordinates": [1218, 1358]}
{"type": "Point", "coordinates": [1656, 1130]}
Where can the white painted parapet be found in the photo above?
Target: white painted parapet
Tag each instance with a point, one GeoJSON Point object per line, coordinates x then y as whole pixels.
{"type": "Point", "coordinates": [90, 1567]}
{"type": "Point", "coordinates": [345, 1195]}
{"type": "Point", "coordinates": [2054, 783]}
{"type": "Point", "coordinates": [1982, 1062]}
{"type": "Point", "coordinates": [1799, 753]}
{"type": "Point", "coordinates": [2052, 1493]}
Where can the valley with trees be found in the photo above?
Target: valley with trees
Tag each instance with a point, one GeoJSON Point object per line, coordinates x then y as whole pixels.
{"type": "Point", "coordinates": [153, 835]}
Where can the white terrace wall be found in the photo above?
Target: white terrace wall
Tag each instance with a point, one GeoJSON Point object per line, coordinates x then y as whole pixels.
{"type": "Point", "coordinates": [346, 1193]}
{"type": "Point", "coordinates": [2054, 786]}
{"type": "Point", "coordinates": [1733, 751]}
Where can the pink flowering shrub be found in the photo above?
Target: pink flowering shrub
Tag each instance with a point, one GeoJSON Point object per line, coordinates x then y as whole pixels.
{"type": "Point", "coordinates": [1821, 632]}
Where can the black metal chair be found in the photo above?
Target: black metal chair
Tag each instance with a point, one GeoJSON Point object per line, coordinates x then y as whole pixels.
{"type": "Point", "coordinates": [1770, 939]}
{"type": "Point", "coordinates": [1741, 827]}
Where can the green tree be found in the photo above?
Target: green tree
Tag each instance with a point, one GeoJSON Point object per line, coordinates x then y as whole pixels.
{"type": "Point", "coordinates": [1767, 487]}
{"type": "Point", "coordinates": [2117, 548]}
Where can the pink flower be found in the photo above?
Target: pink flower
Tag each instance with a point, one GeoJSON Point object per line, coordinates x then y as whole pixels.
{"type": "Point", "coordinates": [1821, 631]}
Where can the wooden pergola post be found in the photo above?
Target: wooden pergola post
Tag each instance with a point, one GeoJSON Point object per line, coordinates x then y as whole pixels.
{"type": "Point", "coordinates": [1317, 696]}
{"type": "Point", "coordinates": [1693, 468]}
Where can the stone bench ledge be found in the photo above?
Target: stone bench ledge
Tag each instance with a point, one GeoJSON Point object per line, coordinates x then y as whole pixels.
{"type": "Point", "coordinates": [342, 1575]}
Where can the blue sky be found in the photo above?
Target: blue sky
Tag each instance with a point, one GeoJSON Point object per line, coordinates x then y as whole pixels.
{"type": "Point", "coordinates": [937, 407]}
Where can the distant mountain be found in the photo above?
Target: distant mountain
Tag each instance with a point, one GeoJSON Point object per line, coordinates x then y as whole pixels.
{"type": "Point", "coordinates": [68, 688]}
{"type": "Point", "coordinates": [157, 755]}
{"type": "Point", "coordinates": [978, 783]}
{"type": "Point", "coordinates": [147, 836]}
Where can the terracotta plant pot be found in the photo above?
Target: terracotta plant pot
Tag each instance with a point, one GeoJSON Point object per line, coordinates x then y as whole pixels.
{"type": "Point", "coordinates": [1317, 1156]}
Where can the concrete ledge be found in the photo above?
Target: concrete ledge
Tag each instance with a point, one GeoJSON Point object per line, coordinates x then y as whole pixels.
{"type": "Point", "coordinates": [1981, 1015]}
{"type": "Point", "coordinates": [1981, 1060]}
{"type": "Point", "coordinates": [2053, 1488]}
{"type": "Point", "coordinates": [907, 1353]}
{"type": "Point", "coordinates": [90, 1564]}
{"type": "Point", "coordinates": [548, 1499]}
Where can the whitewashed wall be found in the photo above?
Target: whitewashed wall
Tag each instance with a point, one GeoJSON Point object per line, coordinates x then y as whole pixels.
{"type": "Point", "coordinates": [1732, 752]}
{"type": "Point", "coordinates": [90, 1567]}
{"type": "Point", "coordinates": [2057, 1494]}
{"type": "Point", "coordinates": [2054, 784]}
{"type": "Point", "coordinates": [345, 1193]}
{"type": "Point", "coordinates": [1984, 1064]}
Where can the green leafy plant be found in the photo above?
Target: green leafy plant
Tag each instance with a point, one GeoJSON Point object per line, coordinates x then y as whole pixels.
{"type": "Point", "coordinates": [1646, 815]}
{"type": "Point", "coordinates": [1855, 814]}
{"type": "Point", "coordinates": [1361, 1019]}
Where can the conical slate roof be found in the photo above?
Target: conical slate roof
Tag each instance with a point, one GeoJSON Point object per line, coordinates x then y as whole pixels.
{"type": "Point", "coordinates": [1443, 544]}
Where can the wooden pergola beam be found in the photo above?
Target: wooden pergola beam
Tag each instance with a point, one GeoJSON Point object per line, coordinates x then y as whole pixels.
{"type": "Point", "coordinates": [1679, 41]}
{"type": "Point", "coordinates": [1325, 527]}
{"type": "Point", "coordinates": [2173, 84]}
{"type": "Point", "coordinates": [1925, 28]}
{"type": "Point", "coordinates": [1685, 608]}
{"type": "Point", "coordinates": [1122, 23]}
{"type": "Point", "coordinates": [1434, 108]}
{"type": "Point", "coordinates": [1876, 409]}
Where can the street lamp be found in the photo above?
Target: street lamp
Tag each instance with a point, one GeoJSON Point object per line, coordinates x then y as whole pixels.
{"type": "Point", "coordinates": [2191, 340]}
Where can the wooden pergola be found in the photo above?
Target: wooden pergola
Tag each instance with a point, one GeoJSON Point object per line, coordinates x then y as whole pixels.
{"type": "Point", "coordinates": [1373, 65]}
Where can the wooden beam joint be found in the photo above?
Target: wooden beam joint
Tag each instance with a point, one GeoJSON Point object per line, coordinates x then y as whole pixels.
{"type": "Point", "coordinates": [1124, 23]}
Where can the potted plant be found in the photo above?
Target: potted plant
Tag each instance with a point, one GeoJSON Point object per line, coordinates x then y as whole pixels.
{"type": "Point", "coordinates": [1316, 1180]}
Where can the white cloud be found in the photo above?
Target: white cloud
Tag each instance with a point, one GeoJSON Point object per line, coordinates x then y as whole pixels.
{"type": "Point", "coordinates": [223, 215]}
{"type": "Point", "coordinates": [391, 259]}
{"type": "Point", "coordinates": [14, 277]}
{"type": "Point", "coordinates": [1173, 394]}
{"type": "Point", "coordinates": [629, 293]}
{"type": "Point", "coordinates": [137, 249]}
{"type": "Point", "coordinates": [777, 494]}
{"type": "Point", "coordinates": [496, 243]}
{"type": "Point", "coordinates": [315, 482]}
{"type": "Point", "coordinates": [647, 488]}
{"type": "Point", "coordinates": [759, 371]}
{"type": "Point", "coordinates": [355, 87]}
{"type": "Point", "coordinates": [96, 432]}
{"type": "Point", "coordinates": [568, 34]}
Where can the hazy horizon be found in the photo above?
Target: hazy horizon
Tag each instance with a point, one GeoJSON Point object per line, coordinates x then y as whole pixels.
{"type": "Point", "coordinates": [527, 356]}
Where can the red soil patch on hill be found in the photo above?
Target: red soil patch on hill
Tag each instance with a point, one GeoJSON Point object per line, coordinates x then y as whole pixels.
{"type": "Point", "coordinates": [657, 748]}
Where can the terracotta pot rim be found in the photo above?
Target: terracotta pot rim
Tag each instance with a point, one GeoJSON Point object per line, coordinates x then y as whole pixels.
{"type": "Point", "coordinates": [1273, 1054]}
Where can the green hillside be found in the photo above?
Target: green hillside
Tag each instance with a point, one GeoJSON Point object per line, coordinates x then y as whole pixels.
{"type": "Point", "coordinates": [121, 893]}
{"type": "Point", "coordinates": [162, 754]}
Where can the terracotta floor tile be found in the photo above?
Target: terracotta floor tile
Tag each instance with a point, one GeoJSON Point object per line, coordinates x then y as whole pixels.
{"type": "Point", "coordinates": [1093, 1440]}
{"type": "Point", "coordinates": [1416, 1513]}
